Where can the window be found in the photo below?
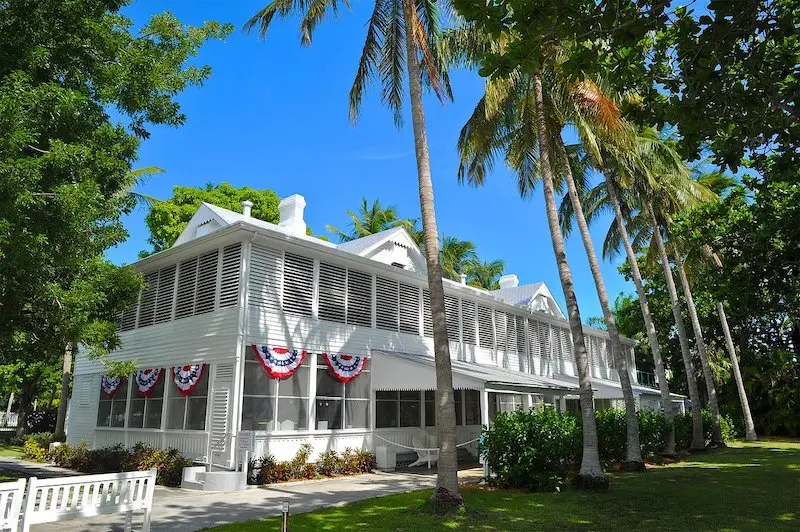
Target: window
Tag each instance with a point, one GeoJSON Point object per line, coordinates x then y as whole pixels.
{"type": "Point", "coordinates": [398, 409]}
{"type": "Point", "coordinates": [111, 410]}
{"type": "Point", "coordinates": [505, 402]}
{"type": "Point", "coordinates": [187, 412]}
{"type": "Point", "coordinates": [459, 399]}
{"type": "Point", "coordinates": [341, 405]}
{"type": "Point", "coordinates": [472, 407]}
{"type": "Point", "coordinates": [272, 404]}
{"type": "Point", "coordinates": [145, 412]}
{"type": "Point", "coordinates": [430, 408]}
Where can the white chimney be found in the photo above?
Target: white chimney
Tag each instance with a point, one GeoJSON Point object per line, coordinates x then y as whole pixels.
{"type": "Point", "coordinates": [509, 281]}
{"type": "Point", "coordinates": [463, 278]}
{"type": "Point", "coordinates": [291, 210]}
{"type": "Point", "coordinates": [246, 206]}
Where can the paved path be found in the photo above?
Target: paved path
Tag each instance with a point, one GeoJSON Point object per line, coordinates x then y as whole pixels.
{"type": "Point", "coordinates": [184, 510]}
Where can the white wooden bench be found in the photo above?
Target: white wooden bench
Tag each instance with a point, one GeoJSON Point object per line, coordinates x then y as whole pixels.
{"type": "Point", "coordinates": [60, 499]}
{"type": "Point", "coordinates": [11, 494]}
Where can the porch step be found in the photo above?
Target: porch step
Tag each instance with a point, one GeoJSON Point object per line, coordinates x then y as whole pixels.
{"type": "Point", "coordinates": [197, 478]}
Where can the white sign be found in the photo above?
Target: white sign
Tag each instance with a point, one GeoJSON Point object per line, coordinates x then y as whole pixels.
{"type": "Point", "coordinates": [244, 441]}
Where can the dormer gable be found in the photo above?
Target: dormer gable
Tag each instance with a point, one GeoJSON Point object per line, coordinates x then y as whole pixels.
{"type": "Point", "coordinates": [206, 220]}
{"type": "Point", "coordinates": [394, 247]}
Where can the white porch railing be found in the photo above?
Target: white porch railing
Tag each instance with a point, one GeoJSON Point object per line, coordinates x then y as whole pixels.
{"type": "Point", "coordinates": [192, 444]}
{"type": "Point", "coordinates": [9, 419]}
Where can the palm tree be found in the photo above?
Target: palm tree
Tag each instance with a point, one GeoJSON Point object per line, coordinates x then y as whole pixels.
{"type": "Point", "coordinates": [456, 256]}
{"type": "Point", "coordinates": [485, 275]}
{"type": "Point", "coordinates": [369, 220]}
{"type": "Point", "coordinates": [402, 33]}
{"type": "Point", "coordinates": [515, 117]}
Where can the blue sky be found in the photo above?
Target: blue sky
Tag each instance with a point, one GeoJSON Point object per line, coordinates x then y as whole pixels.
{"type": "Point", "coordinates": [274, 115]}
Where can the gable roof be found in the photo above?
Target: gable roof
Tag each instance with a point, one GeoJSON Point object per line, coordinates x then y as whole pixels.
{"type": "Point", "coordinates": [526, 294]}
{"type": "Point", "coordinates": [365, 244]}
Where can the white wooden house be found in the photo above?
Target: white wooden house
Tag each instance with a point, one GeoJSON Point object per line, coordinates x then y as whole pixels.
{"type": "Point", "coordinates": [236, 296]}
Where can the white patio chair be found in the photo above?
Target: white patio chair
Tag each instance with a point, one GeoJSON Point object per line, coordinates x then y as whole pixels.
{"type": "Point", "coordinates": [423, 456]}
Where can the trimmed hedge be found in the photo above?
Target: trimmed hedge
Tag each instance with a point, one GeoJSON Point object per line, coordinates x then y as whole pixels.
{"type": "Point", "coordinates": [538, 449]}
{"type": "Point", "coordinates": [266, 470]}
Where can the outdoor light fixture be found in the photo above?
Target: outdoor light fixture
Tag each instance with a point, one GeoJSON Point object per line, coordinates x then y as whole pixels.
{"type": "Point", "coordinates": [285, 512]}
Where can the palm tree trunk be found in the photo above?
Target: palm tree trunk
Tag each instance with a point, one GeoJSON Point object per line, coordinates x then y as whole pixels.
{"type": "Point", "coordinates": [708, 375]}
{"type": "Point", "coordinates": [446, 492]}
{"type": "Point", "coordinates": [591, 472]}
{"type": "Point", "coordinates": [698, 437]}
{"type": "Point", "coordinates": [633, 454]}
{"type": "Point", "coordinates": [749, 426]}
{"type": "Point", "coordinates": [655, 348]}
{"type": "Point", "coordinates": [66, 378]}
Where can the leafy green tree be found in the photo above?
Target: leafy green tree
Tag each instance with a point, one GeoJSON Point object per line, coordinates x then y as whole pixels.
{"type": "Point", "coordinates": [456, 256]}
{"type": "Point", "coordinates": [167, 219]}
{"type": "Point", "coordinates": [485, 274]}
{"type": "Point", "coordinates": [371, 219]}
{"type": "Point", "coordinates": [401, 45]}
{"type": "Point", "coordinates": [65, 166]}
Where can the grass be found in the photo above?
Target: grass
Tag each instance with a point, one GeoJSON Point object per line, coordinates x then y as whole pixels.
{"type": "Point", "coordinates": [10, 451]}
{"type": "Point", "coordinates": [749, 486]}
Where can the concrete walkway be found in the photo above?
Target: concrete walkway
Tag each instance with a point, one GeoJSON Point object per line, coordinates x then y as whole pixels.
{"type": "Point", "coordinates": [184, 510]}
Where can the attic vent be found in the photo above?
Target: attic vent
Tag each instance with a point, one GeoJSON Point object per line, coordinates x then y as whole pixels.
{"type": "Point", "coordinates": [427, 320]}
{"type": "Point", "coordinates": [332, 292]}
{"type": "Point", "coordinates": [399, 265]}
{"type": "Point", "coordinates": [206, 282]}
{"type": "Point", "coordinates": [520, 335]}
{"type": "Point", "coordinates": [265, 277]}
{"type": "Point", "coordinates": [229, 283]}
{"type": "Point", "coordinates": [500, 328]}
{"type": "Point", "coordinates": [359, 298]}
{"type": "Point", "coordinates": [298, 274]}
{"type": "Point", "coordinates": [166, 293]}
{"type": "Point", "coordinates": [485, 327]}
{"type": "Point", "coordinates": [147, 304]}
{"type": "Point", "coordinates": [468, 321]}
{"type": "Point", "coordinates": [187, 278]}
{"type": "Point", "coordinates": [451, 311]}
{"type": "Point", "coordinates": [387, 303]}
{"type": "Point", "coordinates": [409, 309]}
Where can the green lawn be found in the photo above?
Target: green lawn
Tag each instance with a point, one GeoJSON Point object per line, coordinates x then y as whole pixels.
{"type": "Point", "coordinates": [10, 451]}
{"type": "Point", "coordinates": [746, 487]}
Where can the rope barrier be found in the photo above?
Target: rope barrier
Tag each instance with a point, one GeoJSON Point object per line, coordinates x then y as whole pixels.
{"type": "Point", "coordinates": [423, 448]}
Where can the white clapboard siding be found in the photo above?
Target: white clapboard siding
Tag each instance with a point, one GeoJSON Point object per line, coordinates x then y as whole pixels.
{"type": "Point", "coordinates": [220, 427]}
{"type": "Point", "coordinates": [206, 282]}
{"type": "Point", "coordinates": [468, 322]}
{"type": "Point", "coordinates": [298, 284]}
{"type": "Point", "coordinates": [166, 294]}
{"type": "Point", "coordinates": [332, 292]}
{"type": "Point", "coordinates": [266, 277]}
{"type": "Point", "coordinates": [387, 304]}
{"type": "Point", "coordinates": [409, 308]}
{"type": "Point", "coordinates": [83, 407]}
{"type": "Point", "coordinates": [229, 279]}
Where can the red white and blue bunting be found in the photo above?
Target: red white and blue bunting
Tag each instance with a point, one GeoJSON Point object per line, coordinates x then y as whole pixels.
{"type": "Point", "coordinates": [279, 362]}
{"type": "Point", "coordinates": [187, 377]}
{"type": "Point", "coordinates": [345, 368]}
{"type": "Point", "coordinates": [146, 380]}
{"type": "Point", "coordinates": [110, 385]}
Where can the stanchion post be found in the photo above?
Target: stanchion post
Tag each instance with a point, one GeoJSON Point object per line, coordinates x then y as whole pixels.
{"type": "Point", "coordinates": [285, 511]}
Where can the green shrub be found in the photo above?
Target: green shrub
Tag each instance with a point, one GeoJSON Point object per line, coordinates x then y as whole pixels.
{"type": "Point", "coordinates": [533, 449]}
{"type": "Point", "coordinates": [34, 452]}
{"type": "Point", "coordinates": [612, 431]}
{"type": "Point", "coordinates": [266, 470]}
{"type": "Point", "coordinates": [328, 464]}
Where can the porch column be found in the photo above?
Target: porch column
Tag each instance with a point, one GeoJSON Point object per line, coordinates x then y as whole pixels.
{"type": "Point", "coordinates": [563, 403]}
{"type": "Point", "coordinates": [484, 408]}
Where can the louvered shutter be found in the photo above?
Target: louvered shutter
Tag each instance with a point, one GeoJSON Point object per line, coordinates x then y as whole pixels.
{"type": "Point", "coordinates": [511, 333]}
{"type": "Point", "coordinates": [128, 320]}
{"type": "Point", "coordinates": [567, 342]}
{"type": "Point", "coordinates": [451, 312]}
{"type": "Point", "coordinates": [359, 298]}
{"type": "Point", "coordinates": [500, 329]}
{"type": "Point", "coordinates": [427, 317]}
{"type": "Point", "coordinates": [332, 292]}
{"type": "Point", "coordinates": [206, 282]}
{"type": "Point", "coordinates": [520, 334]}
{"type": "Point", "coordinates": [147, 304]}
{"type": "Point", "coordinates": [534, 339]}
{"type": "Point", "coordinates": [221, 394]}
{"type": "Point", "coordinates": [187, 278]}
{"type": "Point", "coordinates": [387, 304]}
{"type": "Point", "coordinates": [229, 282]}
{"type": "Point", "coordinates": [298, 284]}
{"type": "Point", "coordinates": [409, 309]}
{"type": "Point", "coordinates": [166, 293]}
{"type": "Point", "coordinates": [485, 327]}
{"type": "Point", "coordinates": [265, 278]}
{"type": "Point", "coordinates": [468, 321]}
{"type": "Point", "coordinates": [547, 340]}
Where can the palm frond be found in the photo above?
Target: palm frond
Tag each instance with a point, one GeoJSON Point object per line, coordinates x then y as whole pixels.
{"type": "Point", "coordinates": [370, 57]}
{"type": "Point", "coordinates": [393, 59]}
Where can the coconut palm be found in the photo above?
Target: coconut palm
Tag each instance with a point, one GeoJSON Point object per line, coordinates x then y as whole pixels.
{"type": "Point", "coordinates": [485, 274]}
{"type": "Point", "coordinates": [456, 256]}
{"type": "Point", "coordinates": [400, 46]}
{"type": "Point", "coordinates": [515, 117]}
{"type": "Point", "coordinates": [370, 219]}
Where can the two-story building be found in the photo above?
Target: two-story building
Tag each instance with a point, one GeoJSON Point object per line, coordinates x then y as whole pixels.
{"type": "Point", "coordinates": [246, 325]}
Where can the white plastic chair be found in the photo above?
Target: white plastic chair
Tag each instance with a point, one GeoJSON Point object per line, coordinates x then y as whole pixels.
{"type": "Point", "coordinates": [423, 456]}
